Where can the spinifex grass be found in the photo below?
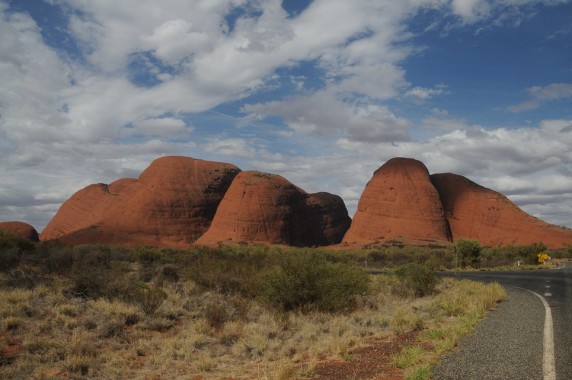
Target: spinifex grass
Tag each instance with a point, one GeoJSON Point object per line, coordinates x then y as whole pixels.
{"type": "Point", "coordinates": [145, 316]}
{"type": "Point", "coordinates": [454, 312]}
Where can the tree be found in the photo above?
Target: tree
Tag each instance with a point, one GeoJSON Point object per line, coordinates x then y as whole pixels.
{"type": "Point", "coordinates": [468, 252]}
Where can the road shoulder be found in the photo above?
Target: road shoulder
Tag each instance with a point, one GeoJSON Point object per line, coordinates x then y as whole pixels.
{"type": "Point", "coordinates": [506, 345]}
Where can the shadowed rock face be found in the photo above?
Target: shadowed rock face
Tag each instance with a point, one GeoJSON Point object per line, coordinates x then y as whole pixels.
{"type": "Point", "coordinates": [20, 229]}
{"type": "Point", "coordinates": [266, 208]}
{"type": "Point", "coordinates": [327, 219]}
{"type": "Point", "coordinates": [399, 203]}
{"type": "Point", "coordinates": [171, 204]}
{"type": "Point", "coordinates": [476, 212]}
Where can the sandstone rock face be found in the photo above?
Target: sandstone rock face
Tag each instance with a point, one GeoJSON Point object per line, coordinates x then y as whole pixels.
{"type": "Point", "coordinates": [171, 204]}
{"type": "Point", "coordinates": [266, 208]}
{"type": "Point", "coordinates": [475, 212]}
{"type": "Point", "coordinates": [176, 200]}
{"type": "Point", "coordinates": [327, 219]}
{"type": "Point", "coordinates": [399, 203]}
{"type": "Point", "coordinates": [20, 229]}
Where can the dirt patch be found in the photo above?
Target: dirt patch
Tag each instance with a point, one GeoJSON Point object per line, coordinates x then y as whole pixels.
{"type": "Point", "coordinates": [9, 353]}
{"type": "Point", "coordinates": [369, 362]}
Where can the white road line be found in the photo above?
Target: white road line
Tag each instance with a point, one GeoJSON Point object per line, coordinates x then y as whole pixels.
{"type": "Point", "coordinates": [548, 364]}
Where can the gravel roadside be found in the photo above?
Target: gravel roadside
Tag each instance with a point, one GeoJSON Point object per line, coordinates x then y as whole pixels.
{"type": "Point", "coordinates": [506, 345]}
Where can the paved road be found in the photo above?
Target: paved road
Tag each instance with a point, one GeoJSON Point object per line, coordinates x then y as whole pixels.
{"type": "Point", "coordinates": [510, 344]}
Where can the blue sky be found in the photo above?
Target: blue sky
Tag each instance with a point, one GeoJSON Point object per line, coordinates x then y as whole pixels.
{"type": "Point", "coordinates": [322, 92]}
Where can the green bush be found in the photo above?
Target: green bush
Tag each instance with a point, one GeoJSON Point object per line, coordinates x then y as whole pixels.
{"type": "Point", "coordinates": [416, 280]}
{"type": "Point", "coordinates": [26, 278]}
{"type": "Point", "coordinates": [149, 298]}
{"type": "Point", "coordinates": [9, 258]}
{"type": "Point", "coordinates": [59, 260]}
{"type": "Point", "coordinates": [12, 248]}
{"type": "Point", "coordinates": [100, 281]}
{"type": "Point", "coordinates": [468, 252]}
{"type": "Point", "coordinates": [308, 281]}
{"type": "Point", "coordinates": [509, 255]}
{"type": "Point", "coordinates": [8, 240]}
{"type": "Point", "coordinates": [149, 256]}
{"type": "Point", "coordinates": [227, 273]}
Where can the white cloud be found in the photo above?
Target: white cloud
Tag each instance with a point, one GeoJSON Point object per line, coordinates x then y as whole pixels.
{"type": "Point", "coordinates": [163, 126]}
{"type": "Point", "coordinates": [543, 94]}
{"type": "Point", "coordinates": [372, 123]}
{"type": "Point", "coordinates": [423, 94]}
{"type": "Point", "coordinates": [323, 114]}
{"type": "Point", "coordinates": [318, 114]}
{"type": "Point", "coordinates": [234, 147]}
{"type": "Point", "coordinates": [551, 92]}
{"type": "Point", "coordinates": [521, 162]}
{"type": "Point", "coordinates": [65, 123]}
{"type": "Point", "coordinates": [471, 10]}
{"type": "Point", "coordinates": [175, 39]}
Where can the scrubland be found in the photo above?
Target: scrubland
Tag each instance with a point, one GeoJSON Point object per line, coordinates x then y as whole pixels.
{"type": "Point", "coordinates": [213, 313]}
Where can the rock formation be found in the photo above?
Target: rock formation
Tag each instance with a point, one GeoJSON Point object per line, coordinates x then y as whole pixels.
{"type": "Point", "coordinates": [327, 219]}
{"type": "Point", "coordinates": [178, 200]}
{"type": "Point", "coordinates": [399, 203]}
{"type": "Point", "coordinates": [20, 229]}
{"type": "Point", "coordinates": [172, 203]}
{"type": "Point", "coordinates": [478, 213]}
{"type": "Point", "coordinates": [266, 208]}
{"type": "Point", "coordinates": [403, 203]}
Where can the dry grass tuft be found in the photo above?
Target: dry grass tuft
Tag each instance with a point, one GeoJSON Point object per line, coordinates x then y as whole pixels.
{"type": "Point", "coordinates": [150, 315]}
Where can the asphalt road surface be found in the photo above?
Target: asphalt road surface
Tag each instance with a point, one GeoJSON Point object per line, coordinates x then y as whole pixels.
{"type": "Point", "coordinates": [529, 336]}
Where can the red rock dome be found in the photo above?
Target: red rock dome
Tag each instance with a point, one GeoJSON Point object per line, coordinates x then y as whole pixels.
{"type": "Point", "coordinates": [172, 203]}
{"type": "Point", "coordinates": [267, 208]}
{"type": "Point", "coordinates": [20, 229]}
{"type": "Point", "coordinates": [399, 203]}
{"type": "Point", "coordinates": [478, 213]}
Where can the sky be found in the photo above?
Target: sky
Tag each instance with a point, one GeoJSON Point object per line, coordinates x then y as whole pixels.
{"type": "Point", "coordinates": [322, 92]}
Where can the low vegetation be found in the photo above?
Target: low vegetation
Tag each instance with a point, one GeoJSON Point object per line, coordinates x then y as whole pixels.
{"type": "Point", "coordinates": [463, 255]}
{"type": "Point", "coordinates": [242, 312]}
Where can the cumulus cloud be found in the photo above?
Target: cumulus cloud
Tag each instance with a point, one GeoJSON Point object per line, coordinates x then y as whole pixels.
{"type": "Point", "coordinates": [471, 10]}
{"type": "Point", "coordinates": [422, 94]}
{"type": "Point", "coordinates": [510, 161]}
{"type": "Point", "coordinates": [543, 94]}
{"type": "Point", "coordinates": [323, 114]}
{"type": "Point", "coordinates": [173, 40]}
{"type": "Point", "coordinates": [320, 113]}
{"type": "Point", "coordinates": [164, 126]}
{"type": "Point", "coordinates": [144, 69]}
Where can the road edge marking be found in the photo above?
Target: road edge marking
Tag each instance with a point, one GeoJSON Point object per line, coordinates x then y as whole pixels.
{"type": "Point", "coordinates": [548, 362]}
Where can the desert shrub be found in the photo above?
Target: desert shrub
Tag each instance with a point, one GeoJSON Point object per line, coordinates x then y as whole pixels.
{"type": "Point", "coordinates": [149, 255]}
{"type": "Point", "coordinates": [226, 273]}
{"type": "Point", "coordinates": [90, 283]}
{"type": "Point", "coordinates": [416, 280]}
{"type": "Point", "coordinates": [307, 281]}
{"type": "Point", "coordinates": [26, 278]}
{"type": "Point", "coordinates": [9, 258]}
{"type": "Point", "coordinates": [395, 256]}
{"type": "Point", "coordinates": [149, 298]}
{"type": "Point", "coordinates": [8, 240]}
{"type": "Point", "coordinates": [509, 255]}
{"type": "Point", "coordinates": [12, 248]}
{"type": "Point", "coordinates": [93, 281]}
{"type": "Point", "coordinates": [468, 252]}
{"type": "Point", "coordinates": [216, 314]}
{"type": "Point", "coordinates": [169, 273]}
{"type": "Point", "coordinates": [59, 260]}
